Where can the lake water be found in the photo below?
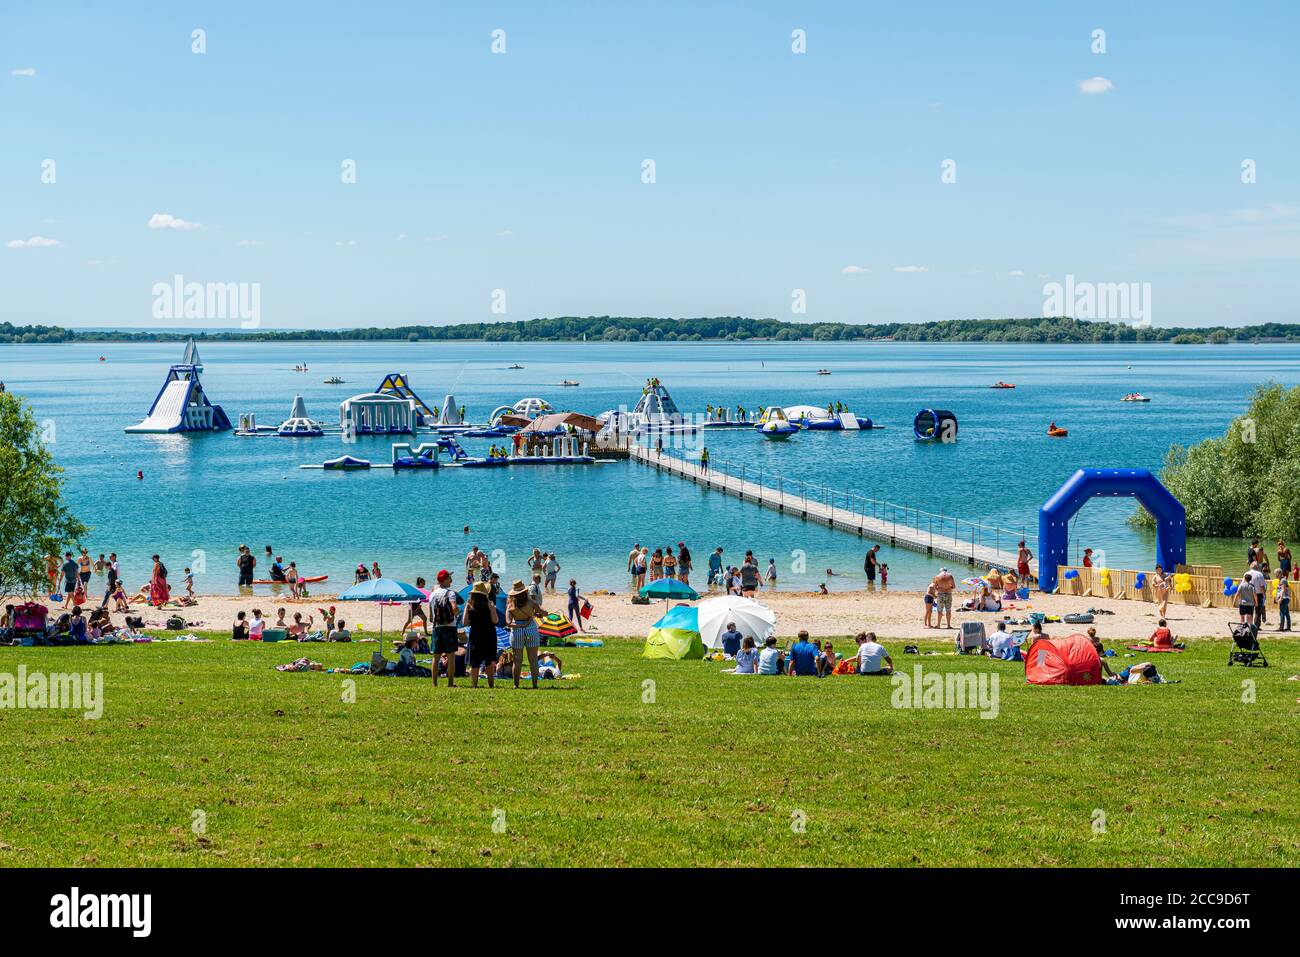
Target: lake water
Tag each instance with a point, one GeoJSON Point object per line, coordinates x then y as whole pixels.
{"type": "Point", "coordinates": [202, 495]}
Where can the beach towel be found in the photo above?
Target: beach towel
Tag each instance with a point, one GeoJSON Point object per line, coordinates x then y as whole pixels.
{"type": "Point", "coordinates": [1151, 648]}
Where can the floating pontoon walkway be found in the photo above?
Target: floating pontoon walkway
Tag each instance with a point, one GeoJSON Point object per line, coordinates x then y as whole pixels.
{"type": "Point", "coordinates": [930, 533]}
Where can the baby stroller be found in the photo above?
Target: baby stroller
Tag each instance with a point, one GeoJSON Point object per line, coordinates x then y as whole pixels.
{"type": "Point", "coordinates": [1245, 646]}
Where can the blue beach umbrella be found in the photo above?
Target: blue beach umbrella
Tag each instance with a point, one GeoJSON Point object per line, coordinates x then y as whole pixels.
{"type": "Point", "coordinates": [501, 600]}
{"type": "Point", "coordinates": [382, 590]}
{"type": "Point", "coordinates": [667, 588]}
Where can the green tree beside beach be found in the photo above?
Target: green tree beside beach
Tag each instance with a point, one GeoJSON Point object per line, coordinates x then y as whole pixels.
{"type": "Point", "coordinates": [1243, 482]}
{"type": "Point", "coordinates": [35, 523]}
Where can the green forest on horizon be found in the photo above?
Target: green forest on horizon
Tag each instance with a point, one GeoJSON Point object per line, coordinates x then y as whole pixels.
{"type": "Point", "coordinates": [721, 328]}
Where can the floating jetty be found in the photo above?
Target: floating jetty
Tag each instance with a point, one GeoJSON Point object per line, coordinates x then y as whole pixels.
{"type": "Point", "coordinates": [943, 536]}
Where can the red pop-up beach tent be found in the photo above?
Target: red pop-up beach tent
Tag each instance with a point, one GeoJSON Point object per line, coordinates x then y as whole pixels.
{"type": "Point", "coordinates": [1063, 661]}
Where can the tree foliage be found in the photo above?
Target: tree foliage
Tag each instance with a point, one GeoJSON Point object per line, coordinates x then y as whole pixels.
{"type": "Point", "coordinates": [1243, 482]}
{"type": "Point", "coordinates": [34, 522]}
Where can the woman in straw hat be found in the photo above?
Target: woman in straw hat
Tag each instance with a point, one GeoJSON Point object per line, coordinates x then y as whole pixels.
{"type": "Point", "coordinates": [481, 620]}
{"type": "Point", "coordinates": [523, 613]}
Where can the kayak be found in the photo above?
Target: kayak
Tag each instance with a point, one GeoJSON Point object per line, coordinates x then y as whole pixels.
{"type": "Point", "coordinates": [311, 579]}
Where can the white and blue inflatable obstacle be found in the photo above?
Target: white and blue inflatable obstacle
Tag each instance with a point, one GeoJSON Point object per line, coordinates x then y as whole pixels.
{"type": "Point", "coordinates": [181, 404]}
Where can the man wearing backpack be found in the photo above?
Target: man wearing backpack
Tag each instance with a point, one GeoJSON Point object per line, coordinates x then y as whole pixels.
{"type": "Point", "coordinates": [443, 614]}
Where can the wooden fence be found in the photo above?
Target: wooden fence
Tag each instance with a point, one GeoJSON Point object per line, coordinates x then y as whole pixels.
{"type": "Point", "coordinates": [1206, 582]}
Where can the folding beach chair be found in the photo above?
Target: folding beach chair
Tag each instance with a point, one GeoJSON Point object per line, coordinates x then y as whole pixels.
{"type": "Point", "coordinates": [970, 640]}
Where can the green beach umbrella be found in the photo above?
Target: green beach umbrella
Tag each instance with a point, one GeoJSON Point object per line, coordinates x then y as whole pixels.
{"type": "Point", "coordinates": [667, 588]}
{"type": "Point", "coordinates": [675, 636]}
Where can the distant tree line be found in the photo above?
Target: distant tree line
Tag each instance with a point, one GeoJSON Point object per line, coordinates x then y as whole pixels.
{"type": "Point", "coordinates": [733, 328]}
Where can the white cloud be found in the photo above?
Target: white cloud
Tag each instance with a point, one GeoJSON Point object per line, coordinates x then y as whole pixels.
{"type": "Point", "coordinates": [1268, 214]}
{"type": "Point", "coordinates": [911, 269]}
{"type": "Point", "coordinates": [168, 221]}
{"type": "Point", "coordinates": [251, 242]}
{"type": "Point", "coordinates": [1017, 273]}
{"type": "Point", "coordinates": [36, 242]}
{"type": "Point", "coordinates": [345, 242]}
{"type": "Point", "coordinates": [434, 239]}
{"type": "Point", "coordinates": [401, 236]}
{"type": "Point", "coordinates": [1095, 85]}
{"type": "Point", "coordinates": [854, 270]}
{"type": "Point", "coordinates": [506, 232]}
{"type": "Point", "coordinates": [23, 71]}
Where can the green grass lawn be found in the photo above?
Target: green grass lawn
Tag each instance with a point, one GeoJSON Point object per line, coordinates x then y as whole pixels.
{"type": "Point", "coordinates": [716, 770]}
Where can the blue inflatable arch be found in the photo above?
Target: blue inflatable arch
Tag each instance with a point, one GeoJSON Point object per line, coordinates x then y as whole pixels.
{"type": "Point", "coordinates": [1054, 517]}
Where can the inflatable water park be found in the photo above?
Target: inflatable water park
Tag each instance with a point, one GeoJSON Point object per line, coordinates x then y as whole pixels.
{"type": "Point", "coordinates": [558, 450]}
{"type": "Point", "coordinates": [181, 404]}
{"type": "Point", "coordinates": [656, 412]}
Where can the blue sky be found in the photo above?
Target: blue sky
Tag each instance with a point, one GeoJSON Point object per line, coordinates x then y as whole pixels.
{"type": "Point", "coordinates": [522, 171]}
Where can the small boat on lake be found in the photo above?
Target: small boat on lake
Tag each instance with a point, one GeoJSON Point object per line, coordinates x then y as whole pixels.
{"type": "Point", "coordinates": [334, 380]}
{"type": "Point", "coordinates": [569, 382]}
{"type": "Point", "coordinates": [1135, 397]}
{"type": "Point", "coordinates": [1056, 432]}
{"type": "Point", "coordinates": [515, 366]}
{"type": "Point", "coordinates": [1002, 385]}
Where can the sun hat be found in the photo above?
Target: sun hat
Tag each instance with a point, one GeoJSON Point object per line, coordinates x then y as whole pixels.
{"type": "Point", "coordinates": [518, 588]}
{"type": "Point", "coordinates": [481, 588]}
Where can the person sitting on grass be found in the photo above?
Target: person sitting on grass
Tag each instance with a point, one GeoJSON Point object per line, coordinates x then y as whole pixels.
{"type": "Point", "coordinates": [340, 631]}
{"type": "Point", "coordinates": [1162, 637]}
{"type": "Point", "coordinates": [100, 624]}
{"type": "Point", "coordinates": [1002, 644]}
{"type": "Point", "coordinates": [802, 659]}
{"type": "Point", "coordinates": [827, 661]}
{"type": "Point", "coordinates": [506, 665]}
{"type": "Point", "coordinates": [299, 629]}
{"type": "Point", "coordinates": [1101, 653]}
{"type": "Point", "coordinates": [873, 659]}
{"type": "Point", "coordinates": [77, 628]}
{"type": "Point", "coordinates": [747, 657]}
{"type": "Point", "coordinates": [731, 640]}
{"type": "Point", "coordinates": [771, 661]}
{"type": "Point", "coordinates": [406, 664]}
{"type": "Point", "coordinates": [239, 630]}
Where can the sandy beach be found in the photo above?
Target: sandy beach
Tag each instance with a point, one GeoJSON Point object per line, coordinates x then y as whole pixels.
{"type": "Point", "coordinates": [890, 614]}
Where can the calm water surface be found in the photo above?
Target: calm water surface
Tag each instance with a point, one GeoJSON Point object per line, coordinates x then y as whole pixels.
{"type": "Point", "coordinates": [203, 495]}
